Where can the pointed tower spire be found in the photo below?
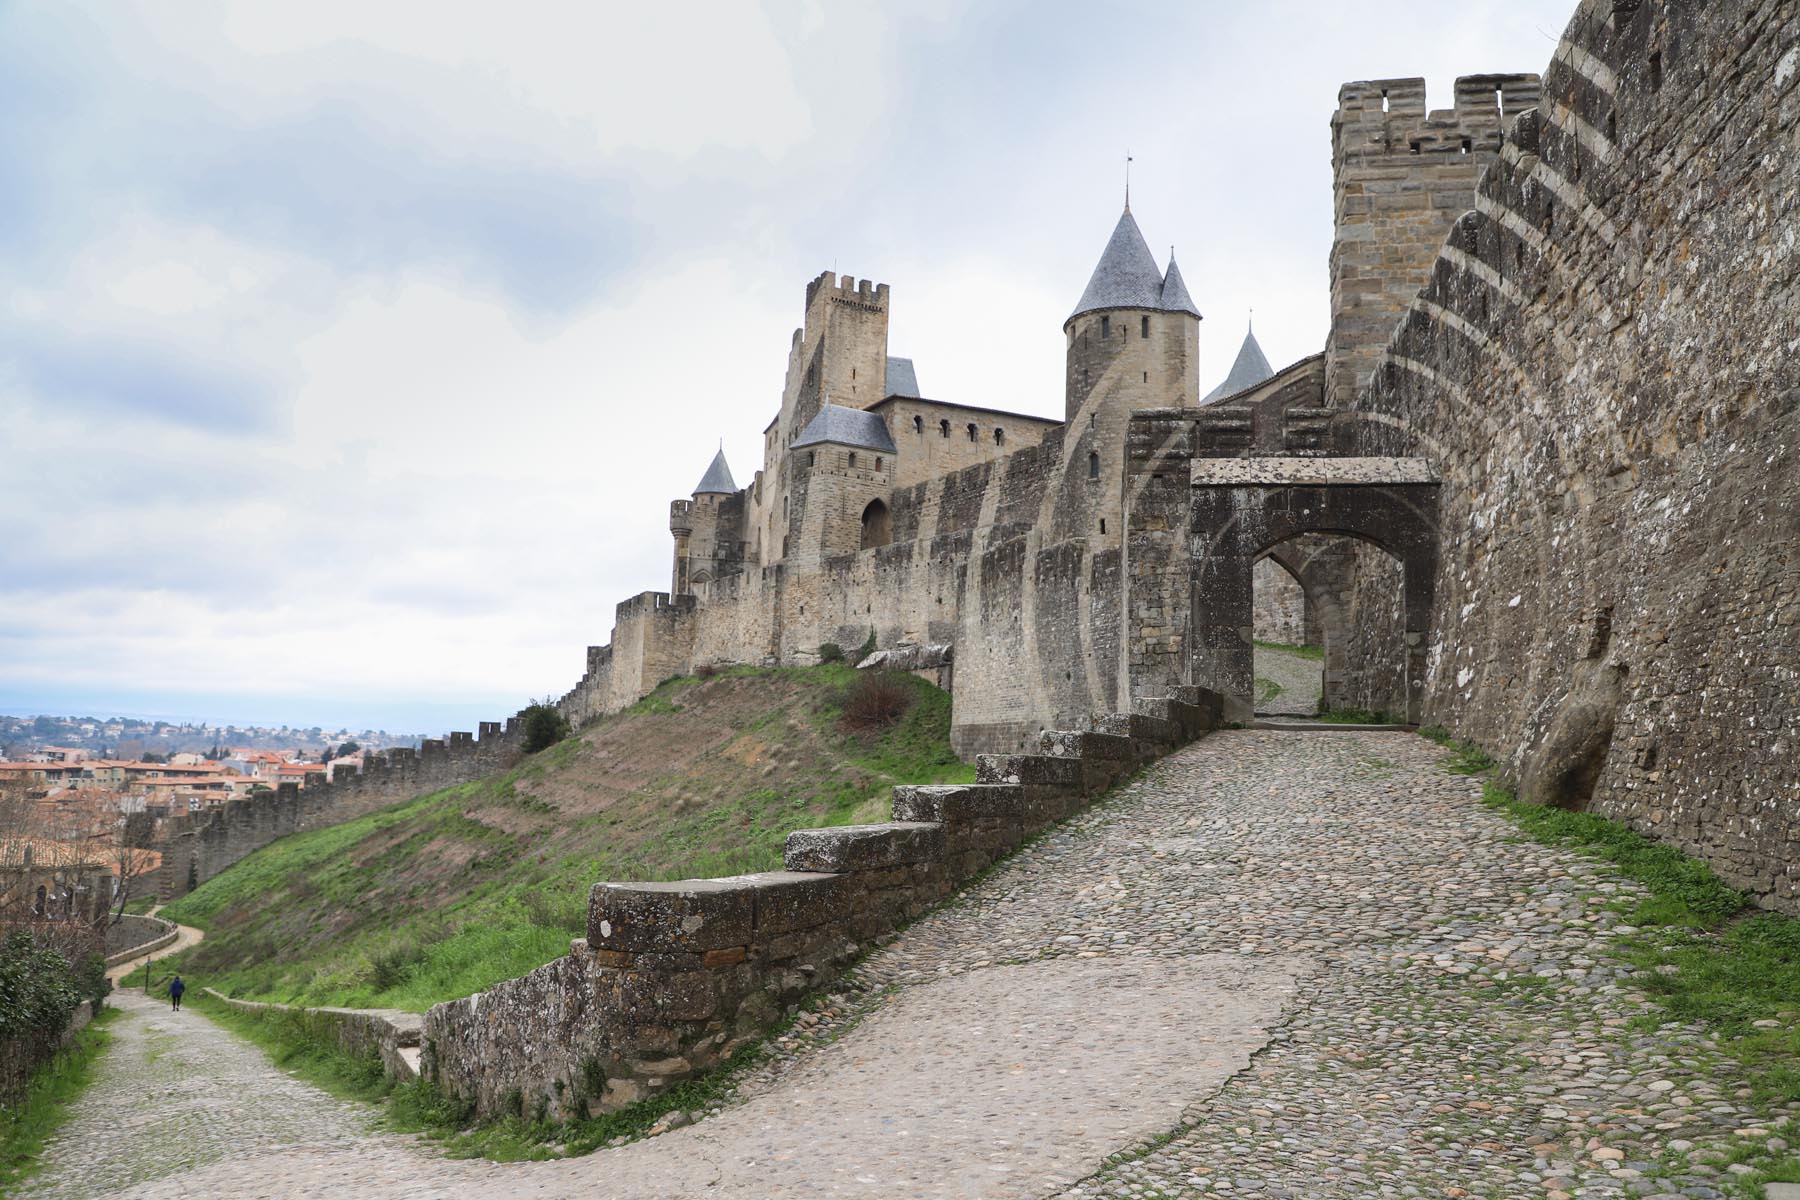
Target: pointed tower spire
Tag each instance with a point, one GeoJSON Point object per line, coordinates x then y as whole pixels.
{"type": "Point", "coordinates": [1250, 368]}
{"type": "Point", "coordinates": [1126, 275]}
{"type": "Point", "coordinates": [718, 476]}
{"type": "Point", "coordinates": [1174, 295]}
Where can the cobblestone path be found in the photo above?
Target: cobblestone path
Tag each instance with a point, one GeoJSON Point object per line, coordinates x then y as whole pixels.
{"type": "Point", "coordinates": [1301, 679]}
{"type": "Point", "coordinates": [1313, 956]}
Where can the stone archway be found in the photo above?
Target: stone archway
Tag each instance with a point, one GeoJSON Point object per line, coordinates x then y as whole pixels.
{"type": "Point", "coordinates": [1244, 508]}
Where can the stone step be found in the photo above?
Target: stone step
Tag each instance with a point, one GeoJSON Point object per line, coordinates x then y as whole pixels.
{"type": "Point", "coordinates": [1039, 769]}
{"type": "Point", "coordinates": [1141, 727]}
{"type": "Point", "coordinates": [864, 847]}
{"type": "Point", "coordinates": [1191, 719]}
{"type": "Point", "coordinates": [1075, 743]}
{"type": "Point", "coordinates": [957, 803]}
{"type": "Point", "coordinates": [1302, 725]}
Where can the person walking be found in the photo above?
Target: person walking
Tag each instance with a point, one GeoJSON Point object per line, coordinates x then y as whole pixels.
{"type": "Point", "coordinates": [176, 987]}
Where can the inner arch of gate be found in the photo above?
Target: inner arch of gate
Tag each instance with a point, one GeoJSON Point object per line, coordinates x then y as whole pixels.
{"type": "Point", "coordinates": [1244, 509]}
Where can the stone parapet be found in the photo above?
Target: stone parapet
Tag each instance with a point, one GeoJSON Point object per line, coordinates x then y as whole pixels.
{"type": "Point", "coordinates": [673, 978]}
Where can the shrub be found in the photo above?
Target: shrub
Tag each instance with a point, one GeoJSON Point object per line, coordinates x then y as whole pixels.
{"type": "Point", "coordinates": [831, 652]}
{"type": "Point", "coordinates": [876, 700]}
{"type": "Point", "coordinates": [868, 646]}
{"type": "Point", "coordinates": [544, 726]}
{"type": "Point", "coordinates": [706, 670]}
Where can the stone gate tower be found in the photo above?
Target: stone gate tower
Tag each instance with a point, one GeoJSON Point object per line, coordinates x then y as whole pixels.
{"type": "Point", "coordinates": [1400, 178]}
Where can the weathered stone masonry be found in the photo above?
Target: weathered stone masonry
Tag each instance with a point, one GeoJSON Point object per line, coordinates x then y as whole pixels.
{"type": "Point", "coordinates": [1601, 370]}
{"type": "Point", "coordinates": [195, 848]}
{"type": "Point", "coordinates": [673, 978]}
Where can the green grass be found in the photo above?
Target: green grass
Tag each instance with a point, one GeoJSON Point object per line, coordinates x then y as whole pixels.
{"type": "Point", "coordinates": [1267, 690]}
{"type": "Point", "coordinates": [48, 1101]}
{"type": "Point", "coordinates": [379, 912]}
{"type": "Point", "coordinates": [1702, 951]}
{"type": "Point", "coordinates": [1316, 653]}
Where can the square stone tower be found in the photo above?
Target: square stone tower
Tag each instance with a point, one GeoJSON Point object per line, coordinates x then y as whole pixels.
{"type": "Point", "coordinates": [1400, 178]}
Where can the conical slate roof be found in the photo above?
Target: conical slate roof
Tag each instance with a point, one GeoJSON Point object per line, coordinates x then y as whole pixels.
{"type": "Point", "coordinates": [717, 477]}
{"type": "Point", "coordinates": [1126, 276]}
{"type": "Point", "coordinates": [1250, 369]}
{"type": "Point", "coordinates": [1175, 296]}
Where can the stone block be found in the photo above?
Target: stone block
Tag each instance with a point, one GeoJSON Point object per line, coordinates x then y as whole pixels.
{"type": "Point", "coordinates": [956, 804]}
{"type": "Point", "coordinates": [788, 901]}
{"type": "Point", "coordinates": [690, 915]}
{"type": "Point", "coordinates": [1103, 747]}
{"type": "Point", "coordinates": [1158, 732]}
{"type": "Point", "coordinates": [864, 847]}
{"type": "Point", "coordinates": [1039, 769]}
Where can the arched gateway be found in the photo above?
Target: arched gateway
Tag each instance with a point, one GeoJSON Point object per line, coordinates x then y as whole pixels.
{"type": "Point", "coordinates": [1244, 508]}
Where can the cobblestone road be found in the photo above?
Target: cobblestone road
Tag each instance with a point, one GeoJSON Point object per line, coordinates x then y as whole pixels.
{"type": "Point", "coordinates": [1301, 679]}
{"type": "Point", "coordinates": [1314, 956]}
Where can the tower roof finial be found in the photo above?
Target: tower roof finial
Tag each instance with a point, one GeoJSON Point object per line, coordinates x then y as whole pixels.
{"type": "Point", "coordinates": [1128, 181]}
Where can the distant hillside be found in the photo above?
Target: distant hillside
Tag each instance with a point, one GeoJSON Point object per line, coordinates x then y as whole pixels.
{"type": "Point", "coordinates": [447, 894]}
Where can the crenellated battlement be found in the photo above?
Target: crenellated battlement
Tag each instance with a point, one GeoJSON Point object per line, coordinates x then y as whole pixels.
{"type": "Point", "coordinates": [847, 289]}
{"type": "Point", "coordinates": [1380, 117]}
{"type": "Point", "coordinates": [197, 846]}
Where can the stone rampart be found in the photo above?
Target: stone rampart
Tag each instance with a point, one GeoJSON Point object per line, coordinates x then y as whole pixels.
{"type": "Point", "coordinates": [673, 978]}
{"type": "Point", "coordinates": [1601, 369]}
{"type": "Point", "coordinates": [196, 847]}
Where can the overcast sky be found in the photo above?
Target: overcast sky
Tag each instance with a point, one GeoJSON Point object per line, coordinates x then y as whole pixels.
{"type": "Point", "coordinates": [350, 351]}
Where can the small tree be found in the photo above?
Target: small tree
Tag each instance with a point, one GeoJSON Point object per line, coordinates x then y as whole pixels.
{"type": "Point", "coordinates": [544, 726]}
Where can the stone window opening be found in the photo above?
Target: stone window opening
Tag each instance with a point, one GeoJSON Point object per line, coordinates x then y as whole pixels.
{"type": "Point", "coordinates": [1105, 327]}
{"type": "Point", "coordinates": [1468, 144]}
{"type": "Point", "coordinates": [1144, 329]}
{"type": "Point", "coordinates": [878, 462]}
{"type": "Point", "coordinates": [1415, 146]}
{"type": "Point", "coordinates": [1093, 465]}
{"type": "Point", "coordinates": [877, 525]}
{"type": "Point", "coordinates": [1103, 525]}
{"type": "Point", "coordinates": [1146, 377]}
{"type": "Point", "coordinates": [943, 429]}
{"type": "Point", "coordinates": [1384, 100]}
{"type": "Point", "coordinates": [1656, 71]}
{"type": "Point", "coordinates": [853, 460]}
{"type": "Point", "coordinates": [1612, 126]}
{"type": "Point", "coordinates": [974, 434]}
{"type": "Point", "coordinates": [999, 436]}
{"type": "Point", "coordinates": [919, 425]}
{"type": "Point", "coordinates": [812, 458]}
{"type": "Point", "coordinates": [784, 514]}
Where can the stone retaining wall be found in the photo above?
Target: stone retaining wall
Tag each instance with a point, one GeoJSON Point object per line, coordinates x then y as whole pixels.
{"type": "Point", "coordinates": [386, 1033]}
{"type": "Point", "coordinates": [673, 978]}
{"type": "Point", "coordinates": [132, 935]}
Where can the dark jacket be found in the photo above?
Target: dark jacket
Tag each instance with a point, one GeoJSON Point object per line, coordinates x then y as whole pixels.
{"type": "Point", "coordinates": [176, 987]}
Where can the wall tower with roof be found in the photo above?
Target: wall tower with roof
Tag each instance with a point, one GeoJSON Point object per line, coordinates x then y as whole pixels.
{"type": "Point", "coordinates": [708, 530]}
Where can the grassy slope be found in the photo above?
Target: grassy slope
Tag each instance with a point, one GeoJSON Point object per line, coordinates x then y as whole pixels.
{"type": "Point", "coordinates": [452, 892]}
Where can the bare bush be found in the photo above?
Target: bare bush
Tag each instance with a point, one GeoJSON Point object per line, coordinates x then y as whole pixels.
{"type": "Point", "coordinates": [877, 700]}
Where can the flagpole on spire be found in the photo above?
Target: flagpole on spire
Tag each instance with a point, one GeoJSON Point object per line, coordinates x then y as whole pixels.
{"type": "Point", "coordinates": [1128, 181]}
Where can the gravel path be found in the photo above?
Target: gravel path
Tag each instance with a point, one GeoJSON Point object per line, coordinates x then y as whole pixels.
{"type": "Point", "coordinates": [1301, 679]}
{"type": "Point", "coordinates": [1315, 957]}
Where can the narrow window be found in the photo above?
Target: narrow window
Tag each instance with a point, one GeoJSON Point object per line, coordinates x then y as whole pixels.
{"type": "Point", "coordinates": [1144, 329]}
{"type": "Point", "coordinates": [1384, 106]}
{"type": "Point", "coordinates": [1102, 524]}
{"type": "Point", "coordinates": [878, 462]}
{"type": "Point", "coordinates": [1415, 147]}
{"type": "Point", "coordinates": [1146, 377]}
{"type": "Point", "coordinates": [1105, 327]}
{"type": "Point", "coordinates": [973, 435]}
{"type": "Point", "coordinates": [853, 374]}
{"type": "Point", "coordinates": [918, 424]}
{"type": "Point", "coordinates": [1612, 127]}
{"type": "Point", "coordinates": [999, 436]}
{"type": "Point", "coordinates": [853, 460]}
{"type": "Point", "coordinates": [1656, 71]}
{"type": "Point", "coordinates": [784, 501]}
{"type": "Point", "coordinates": [1093, 465]}
{"type": "Point", "coordinates": [1468, 144]}
{"type": "Point", "coordinates": [812, 458]}
{"type": "Point", "coordinates": [943, 429]}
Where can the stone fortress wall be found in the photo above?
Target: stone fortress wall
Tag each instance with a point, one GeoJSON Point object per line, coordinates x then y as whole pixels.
{"type": "Point", "coordinates": [196, 847]}
{"type": "Point", "coordinates": [1601, 367]}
